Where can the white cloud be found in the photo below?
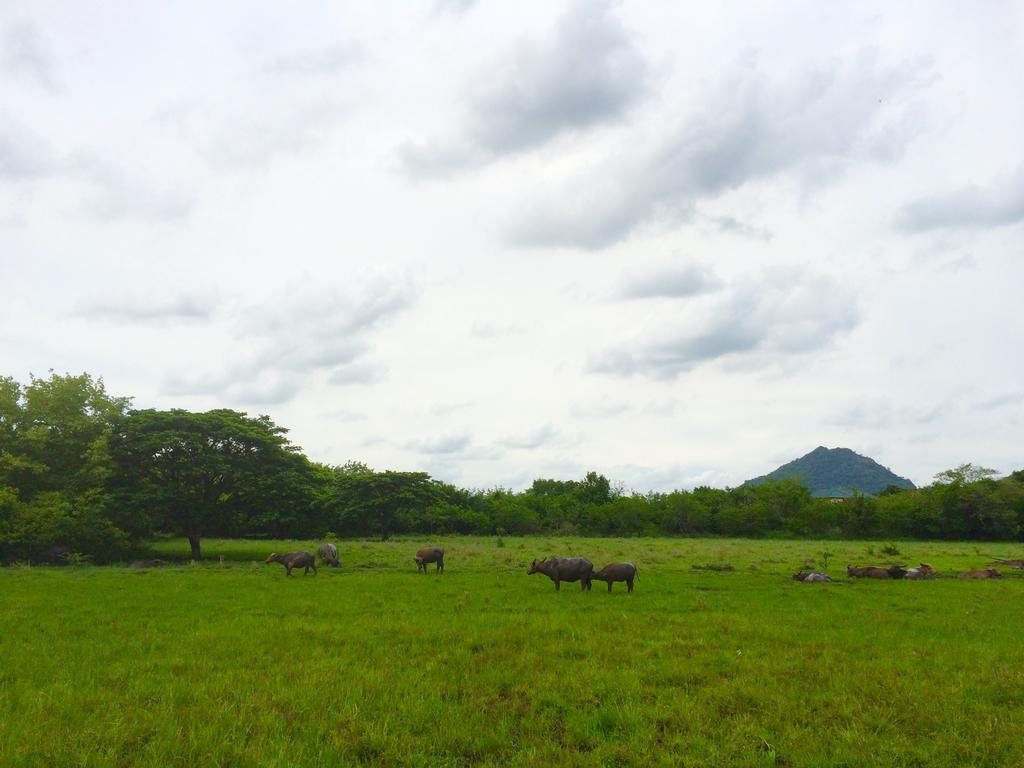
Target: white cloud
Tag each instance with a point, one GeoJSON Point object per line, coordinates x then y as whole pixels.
{"type": "Point", "coordinates": [455, 443]}
{"type": "Point", "coordinates": [279, 344]}
{"type": "Point", "coordinates": [772, 316]}
{"type": "Point", "coordinates": [587, 74]}
{"type": "Point", "coordinates": [23, 154]}
{"type": "Point", "coordinates": [25, 54]}
{"type": "Point", "coordinates": [675, 281]}
{"type": "Point", "coordinates": [999, 203]}
{"type": "Point", "coordinates": [531, 440]}
{"type": "Point", "coordinates": [150, 309]}
{"type": "Point", "coordinates": [750, 127]}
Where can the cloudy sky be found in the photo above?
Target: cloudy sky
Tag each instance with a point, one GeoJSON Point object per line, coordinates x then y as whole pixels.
{"type": "Point", "coordinates": [676, 243]}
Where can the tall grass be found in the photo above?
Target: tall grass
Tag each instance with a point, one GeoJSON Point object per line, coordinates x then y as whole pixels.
{"type": "Point", "coordinates": [231, 663]}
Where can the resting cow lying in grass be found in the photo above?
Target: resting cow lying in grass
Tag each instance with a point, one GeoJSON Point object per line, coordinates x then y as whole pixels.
{"type": "Point", "coordinates": [986, 573]}
{"type": "Point", "coordinates": [923, 571]}
{"type": "Point", "coordinates": [876, 572]}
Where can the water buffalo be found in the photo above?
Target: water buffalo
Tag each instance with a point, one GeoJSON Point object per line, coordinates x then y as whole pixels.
{"type": "Point", "coordinates": [289, 560]}
{"type": "Point", "coordinates": [560, 569]}
{"type": "Point", "coordinates": [58, 554]}
{"type": "Point", "coordinates": [876, 572]}
{"type": "Point", "coordinates": [1010, 563]}
{"type": "Point", "coordinates": [987, 573]}
{"type": "Point", "coordinates": [616, 572]}
{"type": "Point", "coordinates": [811, 577]}
{"type": "Point", "coordinates": [145, 563]}
{"type": "Point", "coordinates": [923, 571]}
{"type": "Point", "coordinates": [429, 555]}
{"type": "Point", "coordinates": [329, 554]}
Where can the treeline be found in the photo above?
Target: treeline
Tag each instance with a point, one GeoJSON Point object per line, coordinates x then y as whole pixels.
{"type": "Point", "coordinates": [84, 476]}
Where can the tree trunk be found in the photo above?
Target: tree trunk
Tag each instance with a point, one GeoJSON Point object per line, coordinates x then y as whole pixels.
{"type": "Point", "coordinates": [193, 540]}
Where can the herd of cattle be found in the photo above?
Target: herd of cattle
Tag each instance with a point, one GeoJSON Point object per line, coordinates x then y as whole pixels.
{"type": "Point", "coordinates": [922, 571]}
{"type": "Point", "coordinates": [572, 569]}
{"type": "Point", "coordinates": [558, 569]}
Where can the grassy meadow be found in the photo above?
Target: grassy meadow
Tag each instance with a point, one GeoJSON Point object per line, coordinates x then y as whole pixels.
{"type": "Point", "coordinates": [230, 663]}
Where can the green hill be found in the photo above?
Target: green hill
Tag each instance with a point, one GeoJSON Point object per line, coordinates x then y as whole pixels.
{"type": "Point", "coordinates": [836, 472]}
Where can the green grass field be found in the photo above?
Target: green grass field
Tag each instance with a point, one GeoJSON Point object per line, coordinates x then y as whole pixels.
{"type": "Point", "coordinates": [230, 663]}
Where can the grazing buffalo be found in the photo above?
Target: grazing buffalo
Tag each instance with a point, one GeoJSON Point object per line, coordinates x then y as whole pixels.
{"type": "Point", "coordinates": [876, 572]}
{"type": "Point", "coordinates": [429, 555]}
{"type": "Point", "coordinates": [329, 554]}
{"type": "Point", "coordinates": [987, 573]}
{"type": "Point", "coordinates": [811, 577]}
{"type": "Point", "coordinates": [616, 572]}
{"type": "Point", "coordinates": [560, 569]}
{"type": "Point", "coordinates": [289, 560]}
{"type": "Point", "coordinates": [923, 571]}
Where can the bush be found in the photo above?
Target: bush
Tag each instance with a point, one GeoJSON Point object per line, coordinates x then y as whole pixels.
{"type": "Point", "coordinates": [50, 528]}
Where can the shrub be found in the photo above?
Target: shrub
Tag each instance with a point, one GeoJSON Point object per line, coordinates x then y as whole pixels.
{"type": "Point", "coordinates": [53, 528]}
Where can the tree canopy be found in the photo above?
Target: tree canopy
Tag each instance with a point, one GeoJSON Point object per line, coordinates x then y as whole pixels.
{"type": "Point", "coordinates": [965, 473]}
{"type": "Point", "coordinates": [207, 473]}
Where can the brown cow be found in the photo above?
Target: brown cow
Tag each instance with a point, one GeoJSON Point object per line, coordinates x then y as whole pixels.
{"type": "Point", "coordinates": [616, 572]}
{"type": "Point", "coordinates": [560, 569]}
{"type": "Point", "coordinates": [429, 555]}
{"type": "Point", "coordinates": [875, 572]}
{"type": "Point", "coordinates": [987, 573]}
{"type": "Point", "coordinates": [1019, 564]}
{"type": "Point", "coordinates": [301, 559]}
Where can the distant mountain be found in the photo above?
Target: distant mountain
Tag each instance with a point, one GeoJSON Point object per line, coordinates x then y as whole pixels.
{"type": "Point", "coordinates": [836, 472]}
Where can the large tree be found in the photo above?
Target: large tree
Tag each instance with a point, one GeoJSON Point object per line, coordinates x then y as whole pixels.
{"type": "Point", "coordinates": [206, 473]}
{"type": "Point", "coordinates": [365, 501]}
{"type": "Point", "coordinates": [54, 433]}
{"type": "Point", "coordinates": [965, 473]}
{"type": "Point", "coordinates": [55, 469]}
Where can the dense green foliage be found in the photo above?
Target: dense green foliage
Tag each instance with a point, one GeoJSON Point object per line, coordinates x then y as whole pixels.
{"type": "Point", "coordinates": [837, 472]}
{"type": "Point", "coordinates": [372, 664]}
{"type": "Point", "coordinates": [84, 475]}
{"type": "Point", "coordinates": [56, 470]}
{"type": "Point", "coordinates": [219, 472]}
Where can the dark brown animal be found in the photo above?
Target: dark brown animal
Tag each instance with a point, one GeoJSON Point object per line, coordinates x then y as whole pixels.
{"type": "Point", "coordinates": [876, 572]}
{"type": "Point", "coordinates": [289, 560]}
{"type": "Point", "coordinates": [55, 555]}
{"type": "Point", "coordinates": [146, 564]}
{"type": "Point", "coordinates": [429, 555]}
{"type": "Point", "coordinates": [1010, 563]}
{"type": "Point", "coordinates": [987, 573]}
{"type": "Point", "coordinates": [560, 569]}
{"type": "Point", "coordinates": [616, 572]}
